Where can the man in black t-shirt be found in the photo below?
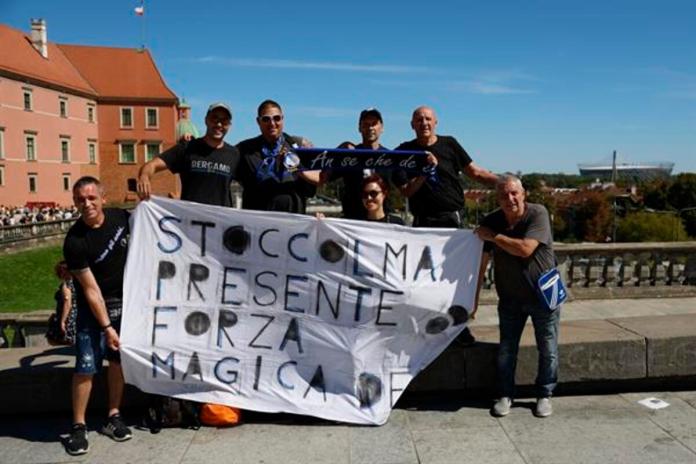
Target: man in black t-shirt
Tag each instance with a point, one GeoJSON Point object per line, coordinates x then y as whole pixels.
{"type": "Point", "coordinates": [371, 127]}
{"type": "Point", "coordinates": [206, 165]}
{"type": "Point", "coordinates": [266, 171]}
{"type": "Point", "coordinates": [95, 251]}
{"type": "Point", "coordinates": [519, 236]}
{"type": "Point", "coordinates": [437, 202]}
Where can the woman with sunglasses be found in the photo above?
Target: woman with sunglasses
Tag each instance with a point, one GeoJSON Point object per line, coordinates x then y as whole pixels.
{"type": "Point", "coordinates": [374, 192]}
{"type": "Point", "coordinates": [266, 170]}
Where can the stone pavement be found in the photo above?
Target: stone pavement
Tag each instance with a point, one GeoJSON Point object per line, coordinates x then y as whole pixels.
{"type": "Point", "coordinates": [426, 430]}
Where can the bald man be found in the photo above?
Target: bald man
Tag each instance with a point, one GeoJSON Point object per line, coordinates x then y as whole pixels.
{"type": "Point", "coordinates": [440, 203]}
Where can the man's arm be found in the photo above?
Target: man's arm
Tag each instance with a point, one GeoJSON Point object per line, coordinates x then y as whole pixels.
{"type": "Point", "coordinates": [480, 174]}
{"type": "Point", "coordinates": [485, 257]}
{"type": "Point", "coordinates": [147, 170]}
{"type": "Point", "coordinates": [522, 247]}
{"type": "Point", "coordinates": [96, 303]}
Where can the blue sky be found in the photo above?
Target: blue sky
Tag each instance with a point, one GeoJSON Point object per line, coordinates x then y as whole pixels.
{"type": "Point", "coordinates": [533, 86]}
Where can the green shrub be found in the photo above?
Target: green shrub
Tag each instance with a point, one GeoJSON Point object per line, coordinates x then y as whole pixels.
{"type": "Point", "coordinates": [650, 227]}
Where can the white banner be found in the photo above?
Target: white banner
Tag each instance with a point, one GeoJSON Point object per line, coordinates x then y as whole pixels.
{"type": "Point", "coordinates": [283, 312]}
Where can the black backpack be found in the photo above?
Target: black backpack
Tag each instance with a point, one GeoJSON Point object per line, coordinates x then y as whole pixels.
{"type": "Point", "coordinates": [165, 411]}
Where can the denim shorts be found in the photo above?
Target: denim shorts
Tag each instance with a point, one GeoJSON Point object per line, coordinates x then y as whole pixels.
{"type": "Point", "coordinates": [90, 343]}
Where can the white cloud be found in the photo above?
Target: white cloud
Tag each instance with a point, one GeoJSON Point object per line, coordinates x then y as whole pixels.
{"type": "Point", "coordinates": [317, 65]}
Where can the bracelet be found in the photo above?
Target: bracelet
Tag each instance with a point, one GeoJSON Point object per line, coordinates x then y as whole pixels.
{"type": "Point", "coordinates": [106, 326]}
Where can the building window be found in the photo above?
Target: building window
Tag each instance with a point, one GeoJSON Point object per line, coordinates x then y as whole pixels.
{"type": "Point", "coordinates": [151, 118]}
{"type": "Point", "coordinates": [126, 117]}
{"type": "Point", "coordinates": [30, 143]}
{"type": "Point", "coordinates": [32, 183]}
{"type": "Point", "coordinates": [92, 152]}
{"type": "Point", "coordinates": [2, 142]}
{"type": "Point", "coordinates": [28, 104]}
{"type": "Point", "coordinates": [151, 150]}
{"type": "Point", "coordinates": [63, 106]}
{"type": "Point", "coordinates": [2, 176]}
{"type": "Point", "coordinates": [90, 113]}
{"type": "Point", "coordinates": [66, 182]}
{"type": "Point", "coordinates": [126, 152]}
{"type": "Point", "coordinates": [65, 150]}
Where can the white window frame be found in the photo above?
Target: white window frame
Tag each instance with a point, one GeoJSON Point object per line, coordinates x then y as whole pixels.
{"type": "Point", "coordinates": [120, 153]}
{"type": "Point", "coordinates": [147, 119]}
{"type": "Point", "coordinates": [132, 117]}
{"type": "Point", "coordinates": [2, 176]}
{"type": "Point", "coordinates": [67, 144]}
{"type": "Point", "coordinates": [27, 92]}
{"type": "Point", "coordinates": [91, 145]}
{"type": "Point", "coordinates": [2, 143]}
{"type": "Point", "coordinates": [147, 151]}
{"type": "Point", "coordinates": [91, 113]}
{"type": "Point", "coordinates": [66, 182]}
{"type": "Point", "coordinates": [63, 101]}
{"type": "Point", "coordinates": [34, 156]}
{"type": "Point", "coordinates": [35, 177]}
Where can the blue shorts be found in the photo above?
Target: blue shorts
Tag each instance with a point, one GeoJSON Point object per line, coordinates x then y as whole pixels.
{"type": "Point", "coordinates": [90, 345]}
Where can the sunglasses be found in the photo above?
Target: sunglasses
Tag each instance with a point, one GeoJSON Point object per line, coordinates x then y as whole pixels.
{"type": "Point", "coordinates": [274, 118]}
{"type": "Point", "coordinates": [371, 194]}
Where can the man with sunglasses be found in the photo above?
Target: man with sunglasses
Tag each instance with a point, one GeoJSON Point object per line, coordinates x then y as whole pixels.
{"type": "Point", "coordinates": [206, 165]}
{"type": "Point", "coordinates": [439, 201]}
{"type": "Point", "coordinates": [267, 168]}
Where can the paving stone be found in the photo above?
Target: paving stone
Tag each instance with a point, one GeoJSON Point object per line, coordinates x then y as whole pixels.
{"type": "Point", "coordinates": [479, 445]}
{"type": "Point", "coordinates": [593, 436]}
{"type": "Point", "coordinates": [388, 444]}
{"type": "Point", "coordinates": [270, 443]}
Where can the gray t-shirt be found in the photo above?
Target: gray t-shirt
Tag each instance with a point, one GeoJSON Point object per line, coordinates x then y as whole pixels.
{"type": "Point", "coordinates": [510, 281]}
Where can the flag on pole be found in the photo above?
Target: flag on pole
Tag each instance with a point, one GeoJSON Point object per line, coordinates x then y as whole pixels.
{"type": "Point", "coordinates": [140, 10]}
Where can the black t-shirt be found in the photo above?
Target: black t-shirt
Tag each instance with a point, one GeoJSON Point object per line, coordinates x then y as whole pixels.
{"type": "Point", "coordinates": [103, 250]}
{"type": "Point", "coordinates": [205, 171]}
{"type": "Point", "coordinates": [351, 198]}
{"type": "Point", "coordinates": [269, 186]}
{"type": "Point", "coordinates": [510, 281]}
{"type": "Point", "coordinates": [447, 194]}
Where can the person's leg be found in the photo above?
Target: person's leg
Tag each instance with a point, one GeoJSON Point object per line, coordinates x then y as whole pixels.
{"type": "Point", "coordinates": [81, 389]}
{"type": "Point", "coordinates": [116, 385]}
{"type": "Point", "coordinates": [511, 324]}
{"type": "Point", "coordinates": [546, 324]}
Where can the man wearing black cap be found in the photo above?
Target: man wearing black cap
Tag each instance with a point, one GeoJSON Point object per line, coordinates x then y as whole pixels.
{"type": "Point", "coordinates": [206, 165]}
{"type": "Point", "coordinates": [371, 127]}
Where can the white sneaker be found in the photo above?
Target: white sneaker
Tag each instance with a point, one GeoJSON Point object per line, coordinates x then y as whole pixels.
{"type": "Point", "coordinates": [543, 407]}
{"type": "Point", "coordinates": [501, 407]}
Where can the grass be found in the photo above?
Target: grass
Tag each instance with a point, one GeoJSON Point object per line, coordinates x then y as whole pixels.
{"type": "Point", "coordinates": [27, 281]}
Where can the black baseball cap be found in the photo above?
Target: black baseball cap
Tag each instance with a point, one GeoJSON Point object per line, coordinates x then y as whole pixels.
{"type": "Point", "coordinates": [370, 112]}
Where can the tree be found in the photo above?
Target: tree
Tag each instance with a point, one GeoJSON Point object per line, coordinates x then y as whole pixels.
{"type": "Point", "coordinates": [650, 227]}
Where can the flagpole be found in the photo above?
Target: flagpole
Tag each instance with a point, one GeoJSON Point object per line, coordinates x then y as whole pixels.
{"type": "Point", "coordinates": [142, 25]}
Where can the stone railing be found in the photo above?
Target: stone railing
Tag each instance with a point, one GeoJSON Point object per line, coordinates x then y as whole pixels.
{"type": "Point", "coordinates": [21, 232]}
{"type": "Point", "coordinates": [600, 271]}
{"type": "Point", "coordinates": [625, 270]}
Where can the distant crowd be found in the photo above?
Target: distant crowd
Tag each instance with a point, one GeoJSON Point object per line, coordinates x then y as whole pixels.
{"type": "Point", "coordinates": [18, 215]}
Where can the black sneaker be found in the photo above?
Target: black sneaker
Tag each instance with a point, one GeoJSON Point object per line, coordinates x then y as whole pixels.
{"type": "Point", "coordinates": [77, 443]}
{"type": "Point", "coordinates": [116, 429]}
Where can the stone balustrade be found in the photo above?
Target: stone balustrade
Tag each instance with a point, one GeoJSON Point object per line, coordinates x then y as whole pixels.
{"type": "Point", "coordinates": [20, 232]}
{"type": "Point", "coordinates": [625, 270]}
{"type": "Point", "coordinates": [599, 271]}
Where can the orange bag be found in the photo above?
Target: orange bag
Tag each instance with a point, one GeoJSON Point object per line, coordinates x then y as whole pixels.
{"type": "Point", "coordinates": [220, 415]}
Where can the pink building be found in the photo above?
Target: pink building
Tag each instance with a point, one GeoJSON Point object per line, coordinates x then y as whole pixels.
{"type": "Point", "coordinates": [70, 110]}
{"type": "Point", "coordinates": [48, 120]}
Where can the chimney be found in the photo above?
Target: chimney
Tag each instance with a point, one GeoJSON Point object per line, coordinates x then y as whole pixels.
{"type": "Point", "coordinates": [38, 36]}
